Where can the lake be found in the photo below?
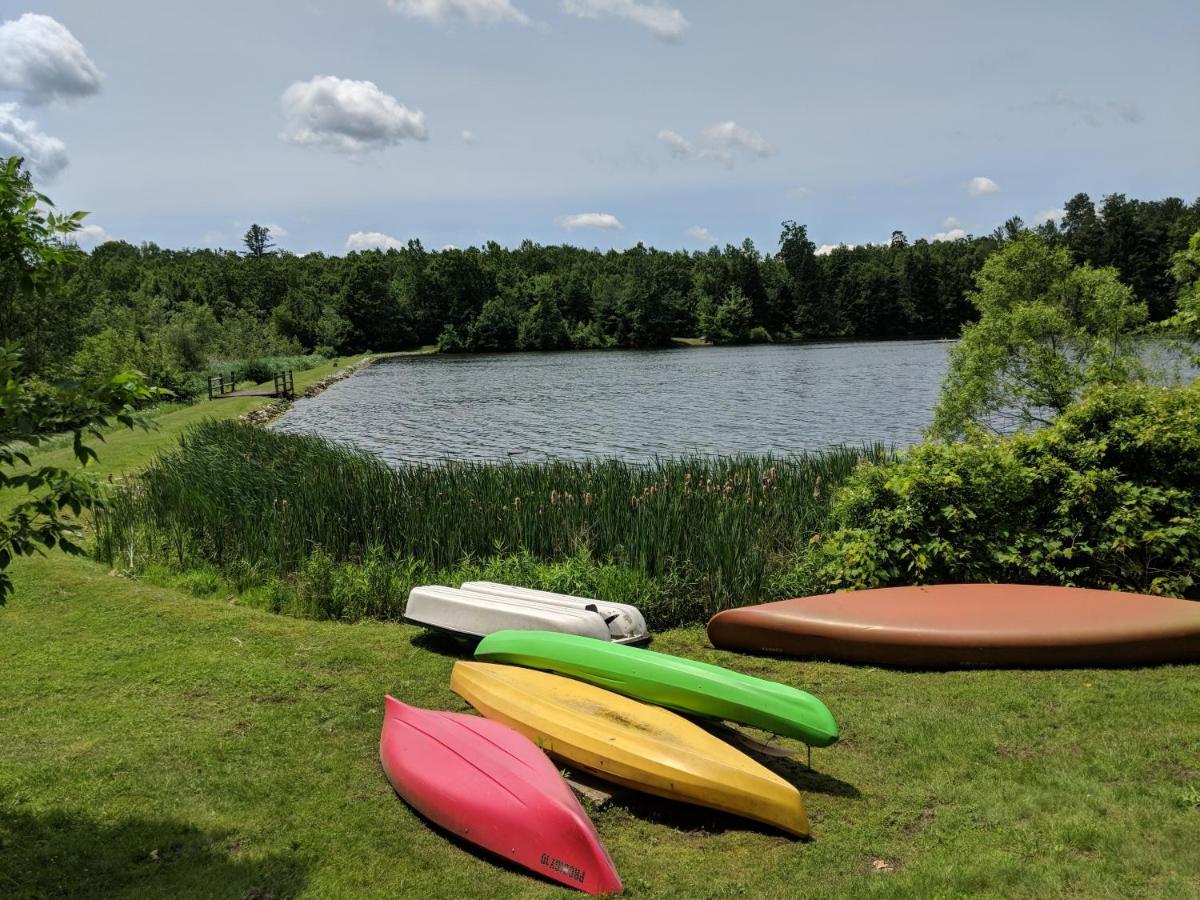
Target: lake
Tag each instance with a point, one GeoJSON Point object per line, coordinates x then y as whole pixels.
{"type": "Point", "coordinates": [632, 404]}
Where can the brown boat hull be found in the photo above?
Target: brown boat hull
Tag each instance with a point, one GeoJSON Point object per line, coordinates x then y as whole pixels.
{"type": "Point", "coordinates": [969, 625]}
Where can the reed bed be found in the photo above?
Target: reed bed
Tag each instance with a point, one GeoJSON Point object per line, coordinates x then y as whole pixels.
{"type": "Point", "coordinates": [720, 529]}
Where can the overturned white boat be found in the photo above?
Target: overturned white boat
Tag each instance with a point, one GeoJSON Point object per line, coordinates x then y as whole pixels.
{"type": "Point", "coordinates": [472, 615]}
{"type": "Point", "coordinates": [625, 622]}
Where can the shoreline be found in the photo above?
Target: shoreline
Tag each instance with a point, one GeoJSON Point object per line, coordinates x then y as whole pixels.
{"type": "Point", "coordinates": [264, 415]}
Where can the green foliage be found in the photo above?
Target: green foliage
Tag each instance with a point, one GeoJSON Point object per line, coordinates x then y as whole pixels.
{"type": "Point", "coordinates": [1185, 267]}
{"type": "Point", "coordinates": [33, 260]}
{"type": "Point", "coordinates": [708, 531]}
{"type": "Point", "coordinates": [28, 416]}
{"type": "Point", "coordinates": [543, 328]}
{"type": "Point", "coordinates": [1046, 330]}
{"type": "Point", "coordinates": [728, 321]}
{"type": "Point", "coordinates": [451, 341]}
{"type": "Point", "coordinates": [1107, 496]}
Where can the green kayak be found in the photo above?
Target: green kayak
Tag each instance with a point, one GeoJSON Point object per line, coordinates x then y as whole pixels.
{"type": "Point", "coordinates": [680, 684]}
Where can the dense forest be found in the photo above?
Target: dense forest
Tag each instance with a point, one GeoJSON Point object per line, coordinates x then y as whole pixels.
{"type": "Point", "coordinates": [171, 313]}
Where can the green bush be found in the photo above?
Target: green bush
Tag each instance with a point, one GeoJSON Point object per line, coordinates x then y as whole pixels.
{"type": "Point", "coordinates": [1107, 496]}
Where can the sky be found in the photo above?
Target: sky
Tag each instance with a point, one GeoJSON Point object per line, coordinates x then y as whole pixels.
{"type": "Point", "coordinates": [601, 123]}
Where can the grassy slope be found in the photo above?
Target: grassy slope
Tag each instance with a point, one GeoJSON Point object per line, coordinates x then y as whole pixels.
{"type": "Point", "coordinates": [157, 744]}
{"type": "Point", "coordinates": [126, 451]}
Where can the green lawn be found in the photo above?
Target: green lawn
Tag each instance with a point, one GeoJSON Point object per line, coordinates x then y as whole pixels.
{"type": "Point", "coordinates": [154, 743]}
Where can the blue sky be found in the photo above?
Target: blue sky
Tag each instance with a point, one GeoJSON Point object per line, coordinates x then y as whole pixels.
{"type": "Point", "coordinates": [682, 122]}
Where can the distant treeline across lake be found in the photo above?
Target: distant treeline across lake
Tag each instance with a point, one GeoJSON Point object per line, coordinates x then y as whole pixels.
{"type": "Point", "coordinates": [172, 313]}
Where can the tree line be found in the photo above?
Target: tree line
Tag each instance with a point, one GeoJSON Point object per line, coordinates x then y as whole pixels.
{"type": "Point", "coordinates": [172, 312]}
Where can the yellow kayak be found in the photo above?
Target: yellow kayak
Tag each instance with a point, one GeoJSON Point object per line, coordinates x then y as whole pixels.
{"type": "Point", "coordinates": [631, 743]}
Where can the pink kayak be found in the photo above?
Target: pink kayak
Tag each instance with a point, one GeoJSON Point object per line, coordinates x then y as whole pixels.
{"type": "Point", "coordinates": [489, 785]}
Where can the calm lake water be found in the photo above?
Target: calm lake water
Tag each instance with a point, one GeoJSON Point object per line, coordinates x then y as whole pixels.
{"type": "Point", "coordinates": [632, 404]}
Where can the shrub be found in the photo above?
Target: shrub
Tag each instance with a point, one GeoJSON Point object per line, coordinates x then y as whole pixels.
{"type": "Point", "coordinates": [1107, 496]}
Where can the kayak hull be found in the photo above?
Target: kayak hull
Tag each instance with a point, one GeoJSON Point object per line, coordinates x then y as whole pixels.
{"type": "Point", "coordinates": [486, 784]}
{"type": "Point", "coordinates": [683, 685]}
{"type": "Point", "coordinates": [969, 625]}
{"type": "Point", "coordinates": [471, 616]}
{"type": "Point", "coordinates": [630, 743]}
{"type": "Point", "coordinates": [626, 625]}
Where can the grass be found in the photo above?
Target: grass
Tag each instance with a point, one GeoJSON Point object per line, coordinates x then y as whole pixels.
{"type": "Point", "coordinates": [714, 532]}
{"type": "Point", "coordinates": [124, 451]}
{"type": "Point", "coordinates": [163, 741]}
{"type": "Point", "coordinates": [162, 745]}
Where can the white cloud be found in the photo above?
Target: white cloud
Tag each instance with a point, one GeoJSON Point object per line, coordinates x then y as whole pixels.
{"type": "Point", "coordinates": [347, 115]}
{"type": "Point", "coordinates": [446, 247]}
{"type": "Point", "coordinates": [43, 61]}
{"type": "Point", "coordinates": [475, 12]}
{"type": "Point", "coordinates": [950, 222]}
{"type": "Point", "coordinates": [701, 234]}
{"type": "Point", "coordinates": [680, 147]}
{"type": "Point", "coordinates": [721, 142]}
{"type": "Point", "coordinates": [665, 21]}
{"type": "Point", "coordinates": [1048, 215]}
{"type": "Point", "coordinates": [981, 185]}
{"type": "Point", "coordinates": [91, 235]}
{"type": "Point", "coordinates": [826, 249]}
{"type": "Point", "coordinates": [469, 137]}
{"type": "Point", "coordinates": [45, 156]}
{"type": "Point", "coordinates": [953, 234]}
{"type": "Point", "coordinates": [277, 231]}
{"type": "Point", "coordinates": [372, 240]}
{"type": "Point", "coordinates": [798, 193]}
{"type": "Point", "coordinates": [605, 221]}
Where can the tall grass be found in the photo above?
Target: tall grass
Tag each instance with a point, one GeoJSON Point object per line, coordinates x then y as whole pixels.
{"type": "Point", "coordinates": [717, 529]}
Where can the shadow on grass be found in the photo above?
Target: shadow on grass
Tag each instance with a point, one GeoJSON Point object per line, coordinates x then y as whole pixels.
{"type": "Point", "coordinates": [688, 817]}
{"type": "Point", "coordinates": [66, 854]}
{"type": "Point", "coordinates": [444, 644]}
{"type": "Point", "coordinates": [811, 781]}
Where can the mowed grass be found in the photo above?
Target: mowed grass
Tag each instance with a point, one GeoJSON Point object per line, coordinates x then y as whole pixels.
{"type": "Point", "coordinates": [162, 745]}
{"type": "Point", "coordinates": [125, 451]}
{"type": "Point", "coordinates": [156, 744]}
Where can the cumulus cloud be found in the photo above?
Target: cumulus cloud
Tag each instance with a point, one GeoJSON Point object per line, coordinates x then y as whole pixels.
{"type": "Point", "coordinates": [88, 236]}
{"type": "Point", "coordinates": [981, 184]}
{"type": "Point", "coordinates": [664, 21]}
{"type": "Point", "coordinates": [1049, 215]}
{"type": "Point", "coordinates": [722, 142]}
{"type": "Point", "coordinates": [347, 115]}
{"type": "Point", "coordinates": [951, 222]}
{"type": "Point", "coordinates": [701, 234]}
{"type": "Point", "coordinates": [469, 137]}
{"type": "Point", "coordinates": [952, 234]}
{"type": "Point", "coordinates": [372, 240]}
{"type": "Point", "coordinates": [277, 231]}
{"type": "Point", "coordinates": [605, 221]}
{"type": "Point", "coordinates": [45, 156]}
{"type": "Point", "coordinates": [826, 249]}
{"type": "Point", "coordinates": [474, 12]}
{"type": "Point", "coordinates": [43, 61]}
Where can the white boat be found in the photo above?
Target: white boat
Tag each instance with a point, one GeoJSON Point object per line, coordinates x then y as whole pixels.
{"type": "Point", "coordinates": [472, 615]}
{"type": "Point", "coordinates": [625, 622]}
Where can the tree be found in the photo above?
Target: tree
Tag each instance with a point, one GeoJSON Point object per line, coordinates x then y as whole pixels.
{"type": "Point", "coordinates": [1185, 267]}
{"type": "Point", "coordinates": [1046, 330]}
{"type": "Point", "coordinates": [34, 257]}
{"type": "Point", "coordinates": [258, 241]}
{"type": "Point", "coordinates": [811, 314]}
{"type": "Point", "coordinates": [728, 321]}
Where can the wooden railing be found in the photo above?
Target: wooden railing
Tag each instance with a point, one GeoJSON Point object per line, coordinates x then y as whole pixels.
{"type": "Point", "coordinates": [218, 385]}
{"type": "Point", "coordinates": [285, 384]}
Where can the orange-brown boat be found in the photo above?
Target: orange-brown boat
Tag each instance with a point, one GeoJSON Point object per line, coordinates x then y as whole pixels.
{"type": "Point", "coordinates": [961, 625]}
